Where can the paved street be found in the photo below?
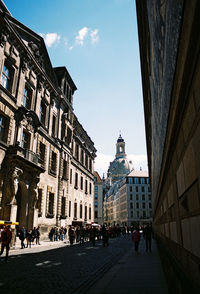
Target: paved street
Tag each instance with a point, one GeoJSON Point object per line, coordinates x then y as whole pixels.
{"type": "Point", "coordinates": [81, 269]}
{"type": "Point", "coordinates": [61, 270]}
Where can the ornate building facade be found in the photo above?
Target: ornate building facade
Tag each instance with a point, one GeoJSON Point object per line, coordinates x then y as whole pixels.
{"type": "Point", "coordinates": [46, 156]}
{"type": "Point", "coordinates": [169, 38]}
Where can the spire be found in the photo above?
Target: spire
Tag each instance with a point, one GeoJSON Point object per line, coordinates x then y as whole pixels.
{"type": "Point", "coordinates": [120, 148]}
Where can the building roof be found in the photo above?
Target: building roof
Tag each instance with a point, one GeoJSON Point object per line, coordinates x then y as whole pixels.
{"type": "Point", "coordinates": [99, 180]}
{"type": "Point", "coordinates": [139, 174]}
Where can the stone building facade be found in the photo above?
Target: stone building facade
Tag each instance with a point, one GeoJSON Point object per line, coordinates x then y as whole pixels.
{"type": "Point", "coordinates": [46, 156]}
{"type": "Point", "coordinates": [98, 198]}
{"type": "Point", "coordinates": [169, 38]}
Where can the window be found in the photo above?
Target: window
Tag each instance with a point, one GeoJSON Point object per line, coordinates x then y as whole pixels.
{"type": "Point", "coordinates": [95, 179]}
{"type": "Point", "coordinates": [75, 210]}
{"type": "Point", "coordinates": [150, 205]}
{"type": "Point", "coordinates": [137, 197]}
{"type": "Point", "coordinates": [143, 197]}
{"type": "Point", "coordinates": [137, 213]}
{"type": "Point", "coordinates": [95, 203]}
{"type": "Point", "coordinates": [25, 142]}
{"type": "Point", "coordinates": [131, 205]}
{"type": "Point", "coordinates": [95, 196]}
{"type": "Point", "coordinates": [96, 188]}
{"type": "Point", "coordinates": [90, 165]}
{"type": "Point", "coordinates": [4, 124]}
{"type": "Point", "coordinates": [27, 97]}
{"type": "Point", "coordinates": [137, 205]}
{"type": "Point", "coordinates": [81, 210]}
{"type": "Point", "coordinates": [54, 126]}
{"type": "Point", "coordinates": [142, 188]}
{"type": "Point", "coordinates": [142, 181]}
{"type": "Point", "coordinates": [130, 180]}
{"type": "Point", "coordinates": [136, 189]}
{"type": "Point", "coordinates": [144, 214]}
{"type": "Point", "coordinates": [7, 76]}
{"type": "Point", "coordinates": [149, 197]}
{"type": "Point", "coordinates": [68, 137]}
{"type": "Point", "coordinates": [63, 204]}
{"type": "Point", "coordinates": [42, 153]}
{"type": "Point", "coordinates": [85, 212]}
{"type": "Point", "coordinates": [51, 203]}
{"type": "Point", "coordinates": [81, 183]}
{"type": "Point", "coordinates": [53, 162]}
{"type": "Point", "coordinates": [130, 189]}
{"type": "Point", "coordinates": [43, 111]}
{"type": "Point", "coordinates": [131, 197]}
{"type": "Point", "coordinates": [39, 202]}
{"type": "Point", "coordinates": [77, 151]}
{"type": "Point", "coordinates": [82, 156]}
{"type": "Point", "coordinates": [90, 213]}
{"type": "Point", "coordinates": [136, 181]}
{"type": "Point", "coordinates": [65, 167]}
{"type": "Point", "coordinates": [131, 214]}
{"type": "Point", "coordinates": [76, 181]}
{"type": "Point", "coordinates": [96, 214]}
{"type": "Point", "coordinates": [90, 189]}
{"type": "Point", "coordinates": [149, 189]}
{"type": "Point", "coordinates": [143, 205]}
{"type": "Point", "coordinates": [70, 176]}
{"type": "Point", "coordinates": [86, 161]}
{"type": "Point", "coordinates": [69, 208]}
{"type": "Point", "coordinates": [86, 186]}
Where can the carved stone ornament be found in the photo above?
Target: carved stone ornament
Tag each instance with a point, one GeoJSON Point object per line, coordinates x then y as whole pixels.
{"type": "Point", "coordinates": [3, 37]}
{"type": "Point", "coordinates": [34, 191]}
{"type": "Point", "coordinates": [24, 64]}
{"type": "Point", "coordinates": [10, 184]}
{"type": "Point", "coordinates": [27, 118]}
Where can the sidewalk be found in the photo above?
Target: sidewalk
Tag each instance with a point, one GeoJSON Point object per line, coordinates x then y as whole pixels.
{"type": "Point", "coordinates": [137, 273]}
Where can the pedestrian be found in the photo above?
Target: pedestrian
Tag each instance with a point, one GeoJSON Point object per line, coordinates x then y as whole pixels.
{"type": "Point", "coordinates": [93, 235]}
{"type": "Point", "coordinates": [136, 238]}
{"type": "Point", "coordinates": [51, 234]}
{"type": "Point", "coordinates": [71, 235]}
{"type": "Point", "coordinates": [6, 237]}
{"type": "Point", "coordinates": [148, 234]}
{"type": "Point", "coordinates": [105, 236]}
{"type": "Point", "coordinates": [29, 238]}
{"type": "Point", "coordinates": [37, 235]}
{"type": "Point", "coordinates": [82, 235]}
{"type": "Point", "coordinates": [22, 237]}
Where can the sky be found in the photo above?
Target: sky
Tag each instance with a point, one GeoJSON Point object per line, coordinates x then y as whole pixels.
{"type": "Point", "coordinates": [97, 41]}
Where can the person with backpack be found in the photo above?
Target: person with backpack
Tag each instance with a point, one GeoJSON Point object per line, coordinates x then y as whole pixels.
{"type": "Point", "coordinates": [5, 238]}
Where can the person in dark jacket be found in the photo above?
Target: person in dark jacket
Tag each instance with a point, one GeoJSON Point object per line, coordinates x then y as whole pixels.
{"type": "Point", "coordinates": [148, 234]}
{"type": "Point", "coordinates": [22, 237]}
{"type": "Point", "coordinates": [136, 238]}
{"type": "Point", "coordinates": [5, 238]}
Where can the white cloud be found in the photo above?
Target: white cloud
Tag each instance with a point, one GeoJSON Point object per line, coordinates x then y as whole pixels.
{"type": "Point", "coordinates": [82, 34]}
{"type": "Point", "coordinates": [94, 36]}
{"type": "Point", "coordinates": [51, 38]}
{"type": "Point", "coordinates": [102, 162]}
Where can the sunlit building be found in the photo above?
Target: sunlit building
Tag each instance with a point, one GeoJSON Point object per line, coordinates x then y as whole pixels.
{"type": "Point", "coordinates": [46, 156]}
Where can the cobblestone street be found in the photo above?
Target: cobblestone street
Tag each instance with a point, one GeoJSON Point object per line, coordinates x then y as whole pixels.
{"type": "Point", "coordinates": [61, 270]}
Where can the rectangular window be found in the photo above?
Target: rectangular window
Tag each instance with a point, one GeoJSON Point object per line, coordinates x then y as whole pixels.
{"type": "Point", "coordinates": [75, 210]}
{"type": "Point", "coordinates": [65, 168]}
{"type": "Point", "coordinates": [142, 181]}
{"type": "Point", "coordinates": [131, 197]}
{"type": "Point", "coordinates": [130, 189]}
{"type": "Point", "coordinates": [130, 180]}
{"type": "Point", "coordinates": [81, 210]}
{"type": "Point", "coordinates": [39, 202]}
{"type": "Point", "coordinates": [53, 162]}
{"type": "Point", "coordinates": [143, 205]}
{"type": "Point", "coordinates": [42, 149]}
{"type": "Point", "coordinates": [96, 214]}
{"type": "Point", "coordinates": [25, 142]}
{"type": "Point", "coordinates": [143, 197]}
{"type": "Point", "coordinates": [82, 156]}
{"type": "Point", "coordinates": [142, 188]}
{"type": "Point", "coordinates": [77, 151]}
{"type": "Point", "coordinates": [95, 203]}
{"type": "Point", "coordinates": [144, 214]}
{"type": "Point", "coordinates": [85, 213]}
{"type": "Point", "coordinates": [131, 205]}
{"type": "Point", "coordinates": [150, 205]}
{"type": "Point", "coordinates": [150, 197]}
{"type": "Point", "coordinates": [68, 137]}
{"type": "Point", "coordinates": [69, 208]}
{"type": "Point", "coordinates": [70, 176]}
{"type": "Point", "coordinates": [96, 188]}
{"type": "Point", "coordinates": [95, 196]}
{"type": "Point", "coordinates": [131, 214]}
{"type": "Point", "coordinates": [27, 97]}
{"type": "Point", "coordinates": [137, 213]}
{"type": "Point", "coordinates": [86, 161]}
{"type": "Point", "coordinates": [43, 112]}
{"type": "Point", "coordinates": [53, 126]}
{"type": "Point", "coordinates": [90, 189]}
{"type": "Point", "coordinates": [76, 181]}
{"type": "Point", "coordinates": [81, 183]}
{"type": "Point", "coordinates": [63, 204]}
{"type": "Point", "coordinates": [90, 165]}
{"type": "Point", "coordinates": [4, 124]}
{"type": "Point", "coordinates": [86, 186]}
{"type": "Point", "coordinates": [136, 189]}
{"type": "Point", "coordinates": [137, 205]}
{"type": "Point", "coordinates": [137, 197]}
{"type": "Point", "coordinates": [90, 213]}
{"type": "Point", "coordinates": [51, 203]}
{"type": "Point", "coordinates": [7, 76]}
{"type": "Point", "coordinates": [136, 181]}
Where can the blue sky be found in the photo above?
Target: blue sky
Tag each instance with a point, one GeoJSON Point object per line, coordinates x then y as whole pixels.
{"type": "Point", "coordinates": [97, 41]}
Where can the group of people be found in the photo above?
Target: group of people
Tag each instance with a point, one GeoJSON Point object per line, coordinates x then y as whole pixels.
{"type": "Point", "coordinates": [30, 236]}
{"type": "Point", "coordinates": [147, 234]}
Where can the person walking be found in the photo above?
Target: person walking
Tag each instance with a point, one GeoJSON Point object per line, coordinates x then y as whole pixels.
{"type": "Point", "coordinates": [37, 236]}
{"type": "Point", "coordinates": [136, 238]}
{"type": "Point", "coordinates": [22, 237]}
{"type": "Point", "coordinates": [148, 234]}
{"type": "Point", "coordinates": [6, 237]}
{"type": "Point", "coordinates": [105, 236]}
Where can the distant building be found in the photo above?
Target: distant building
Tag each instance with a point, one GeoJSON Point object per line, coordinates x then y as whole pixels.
{"type": "Point", "coordinates": [120, 166]}
{"type": "Point", "coordinates": [128, 201]}
{"type": "Point", "coordinates": [98, 198]}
